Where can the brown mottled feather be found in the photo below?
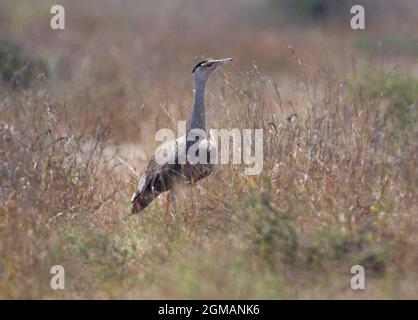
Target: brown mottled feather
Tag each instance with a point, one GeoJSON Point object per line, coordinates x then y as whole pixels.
{"type": "Point", "coordinates": [159, 178]}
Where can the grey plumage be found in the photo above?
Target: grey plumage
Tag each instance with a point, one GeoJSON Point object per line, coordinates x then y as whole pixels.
{"type": "Point", "coordinates": [159, 178]}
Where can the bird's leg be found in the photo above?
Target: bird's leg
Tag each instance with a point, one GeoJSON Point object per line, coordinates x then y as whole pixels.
{"type": "Point", "coordinates": [171, 203]}
{"type": "Point", "coordinates": [192, 182]}
{"type": "Point", "coordinates": [167, 205]}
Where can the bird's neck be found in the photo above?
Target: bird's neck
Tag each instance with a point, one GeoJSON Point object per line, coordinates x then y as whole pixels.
{"type": "Point", "coordinates": [197, 118]}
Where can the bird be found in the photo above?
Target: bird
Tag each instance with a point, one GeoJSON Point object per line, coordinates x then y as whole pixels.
{"type": "Point", "coordinates": [162, 177]}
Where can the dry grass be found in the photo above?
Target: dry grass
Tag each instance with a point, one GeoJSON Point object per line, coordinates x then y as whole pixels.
{"type": "Point", "coordinates": [339, 185]}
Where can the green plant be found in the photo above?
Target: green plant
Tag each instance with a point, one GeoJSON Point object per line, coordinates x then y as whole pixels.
{"type": "Point", "coordinates": [15, 68]}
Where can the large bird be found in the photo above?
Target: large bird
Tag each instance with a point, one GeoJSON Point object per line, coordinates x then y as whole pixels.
{"type": "Point", "coordinates": [161, 177]}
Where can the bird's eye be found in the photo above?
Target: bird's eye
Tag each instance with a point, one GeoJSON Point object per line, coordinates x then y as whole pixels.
{"type": "Point", "coordinates": [209, 65]}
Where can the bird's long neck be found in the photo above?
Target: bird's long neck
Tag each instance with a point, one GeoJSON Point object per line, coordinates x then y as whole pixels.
{"type": "Point", "coordinates": [197, 118]}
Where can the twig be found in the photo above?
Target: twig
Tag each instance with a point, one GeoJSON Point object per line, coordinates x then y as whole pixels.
{"type": "Point", "coordinates": [129, 167]}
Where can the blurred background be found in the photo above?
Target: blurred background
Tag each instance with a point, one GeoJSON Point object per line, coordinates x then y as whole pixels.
{"type": "Point", "coordinates": [123, 59]}
{"type": "Point", "coordinates": [79, 109]}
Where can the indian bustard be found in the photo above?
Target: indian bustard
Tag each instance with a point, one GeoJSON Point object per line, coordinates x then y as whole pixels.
{"type": "Point", "coordinates": [161, 177]}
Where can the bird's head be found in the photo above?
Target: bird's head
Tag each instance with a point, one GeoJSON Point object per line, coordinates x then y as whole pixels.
{"type": "Point", "coordinates": [204, 68]}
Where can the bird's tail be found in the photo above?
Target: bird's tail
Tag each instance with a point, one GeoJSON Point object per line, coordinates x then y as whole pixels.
{"type": "Point", "coordinates": [140, 200]}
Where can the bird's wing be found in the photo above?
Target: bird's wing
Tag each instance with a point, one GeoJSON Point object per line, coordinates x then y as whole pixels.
{"type": "Point", "coordinates": [202, 170]}
{"type": "Point", "coordinates": [145, 179]}
{"type": "Point", "coordinates": [164, 168]}
{"type": "Point", "coordinates": [158, 175]}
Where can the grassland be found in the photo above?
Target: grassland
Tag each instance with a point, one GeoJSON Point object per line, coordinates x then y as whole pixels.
{"type": "Point", "coordinates": [78, 113]}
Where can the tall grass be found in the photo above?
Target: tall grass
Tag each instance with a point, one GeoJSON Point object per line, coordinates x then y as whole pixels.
{"type": "Point", "coordinates": [335, 191]}
{"type": "Point", "coordinates": [338, 187]}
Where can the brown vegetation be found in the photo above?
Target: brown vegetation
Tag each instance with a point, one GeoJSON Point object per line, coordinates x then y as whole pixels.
{"type": "Point", "coordinates": [339, 185]}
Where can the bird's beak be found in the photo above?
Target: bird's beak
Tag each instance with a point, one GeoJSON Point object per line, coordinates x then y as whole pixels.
{"type": "Point", "coordinates": [224, 61]}
{"type": "Point", "coordinates": [219, 62]}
